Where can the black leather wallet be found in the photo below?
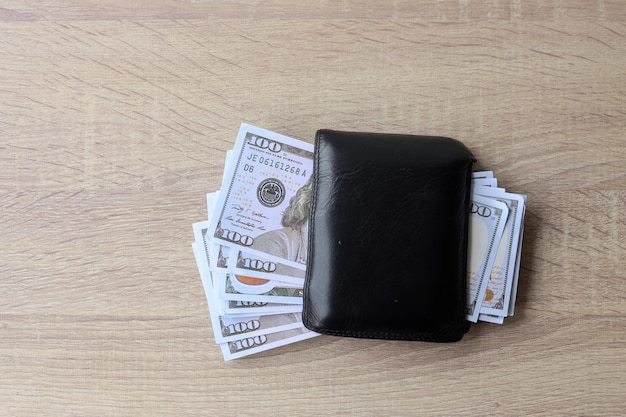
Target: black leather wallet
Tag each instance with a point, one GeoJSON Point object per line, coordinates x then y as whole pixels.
{"type": "Point", "coordinates": [388, 237]}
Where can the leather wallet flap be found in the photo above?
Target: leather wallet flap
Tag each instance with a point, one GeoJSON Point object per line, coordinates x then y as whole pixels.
{"type": "Point", "coordinates": [388, 237]}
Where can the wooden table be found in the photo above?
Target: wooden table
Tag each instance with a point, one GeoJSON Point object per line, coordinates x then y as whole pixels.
{"type": "Point", "coordinates": [115, 117]}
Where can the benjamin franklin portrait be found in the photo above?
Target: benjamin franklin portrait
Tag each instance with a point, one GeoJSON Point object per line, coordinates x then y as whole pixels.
{"type": "Point", "coordinates": [290, 241]}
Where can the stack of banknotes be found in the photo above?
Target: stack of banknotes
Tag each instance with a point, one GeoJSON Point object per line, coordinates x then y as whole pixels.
{"type": "Point", "coordinates": [251, 251]}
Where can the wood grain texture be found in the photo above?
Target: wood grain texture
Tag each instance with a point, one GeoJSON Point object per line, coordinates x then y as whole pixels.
{"type": "Point", "coordinates": [115, 117]}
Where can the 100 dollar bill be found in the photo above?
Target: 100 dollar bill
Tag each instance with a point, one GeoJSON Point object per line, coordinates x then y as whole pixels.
{"type": "Point", "coordinates": [233, 287]}
{"type": "Point", "coordinates": [237, 307]}
{"type": "Point", "coordinates": [486, 224]}
{"type": "Point", "coordinates": [255, 344]}
{"type": "Point", "coordinates": [244, 263]}
{"type": "Point", "coordinates": [263, 206]}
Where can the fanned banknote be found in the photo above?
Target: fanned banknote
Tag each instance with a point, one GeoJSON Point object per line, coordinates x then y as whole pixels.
{"type": "Point", "coordinates": [236, 307]}
{"type": "Point", "coordinates": [251, 251]}
{"type": "Point", "coordinates": [229, 287]}
{"type": "Point", "coordinates": [255, 344]}
{"type": "Point", "coordinates": [248, 264]}
{"type": "Point", "coordinates": [486, 224]}
{"type": "Point", "coordinates": [265, 196]}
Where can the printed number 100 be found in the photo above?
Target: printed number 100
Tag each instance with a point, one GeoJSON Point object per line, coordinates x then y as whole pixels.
{"type": "Point", "coordinates": [249, 342]}
{"type": "Point", "coordinates": [235, 237]}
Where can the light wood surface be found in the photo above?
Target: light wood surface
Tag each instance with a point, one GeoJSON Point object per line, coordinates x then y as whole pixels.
{"type": "Point", "coordinates": [115, 117]}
